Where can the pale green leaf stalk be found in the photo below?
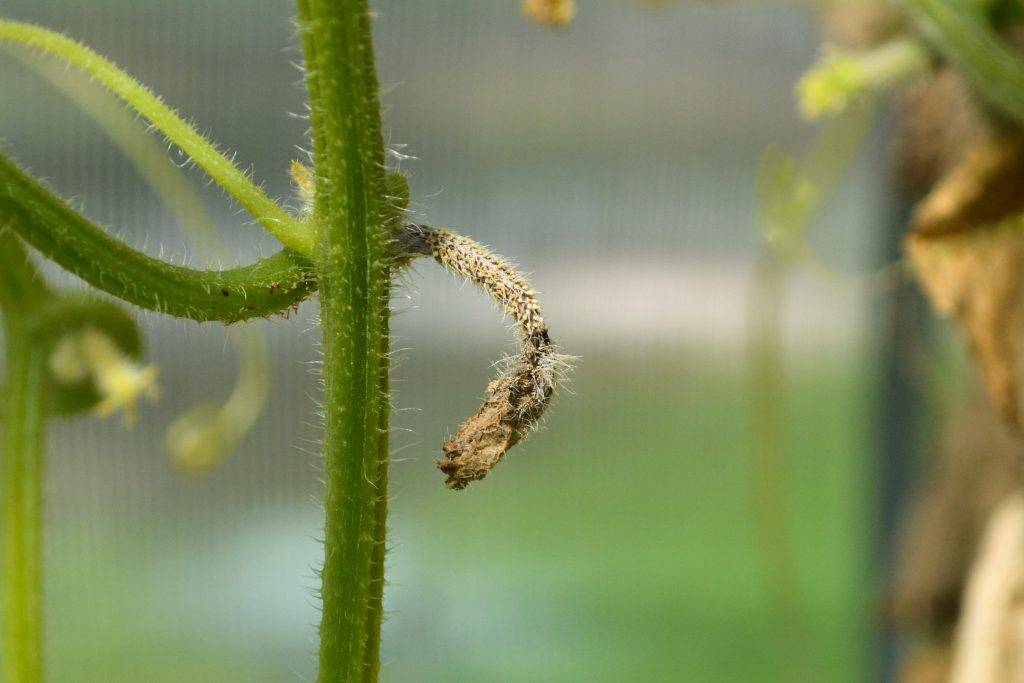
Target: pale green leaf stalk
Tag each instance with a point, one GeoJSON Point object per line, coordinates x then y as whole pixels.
{"type": "Point", "coordinates": [21, 469]}
{"type": "Point", "coordinates": [37, 321]}
{"type": "Point", "coordinates": [269, 286]}
{"type": "Point", "coordinates": [292, 232]}
{"type": "Point", "coordinates": [353, 269]}
{"type": "Point", "coordinates": [21, 490]}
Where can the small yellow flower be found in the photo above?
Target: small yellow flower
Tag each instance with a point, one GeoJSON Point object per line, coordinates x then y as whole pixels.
{"type": "Point", "coordinates": [119, 380]}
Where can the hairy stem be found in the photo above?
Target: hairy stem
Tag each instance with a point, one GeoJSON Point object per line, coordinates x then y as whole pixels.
{"type": "Point", "coordinates": [292, 232]}
{"type": "Point", "coordinates": [205, 435]}
{"type": "Point", "coordinates": [354, 273]}
{"type": "Point", "coordinates": [269, 286]}
{"type": "Point", "coordinates": [21, 472]}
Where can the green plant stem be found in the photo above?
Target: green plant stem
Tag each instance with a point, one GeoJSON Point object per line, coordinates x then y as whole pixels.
{"type": "Point", "coordinates": [770, 464]}
{"type": "Point", "coordinates": [224, 425]}
{"type": "Point", "coordinates": [145, 152]}
{"type": "Point", "coordinates": [792, 193]}
{"type": "Point", "coordinates": [354, 273]}
{"type": "Point", "coordinates": [292, 232]}
{"type": "Point", "coordinates": [21, 471]}
{"type": "Point", "coordinates": [960, 30]}
{"type": "Point", "coordinates": [268, 286]}
{"type": "Point", "coordinates": [21, 481]}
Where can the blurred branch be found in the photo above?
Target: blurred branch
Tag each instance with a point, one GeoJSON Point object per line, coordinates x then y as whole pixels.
{"type": "Point", "coordinates": [962, 32]}
{"type": "Point", "coordinates": [792, 193]}
{"type": "Point", "coordinates": [21, 471]}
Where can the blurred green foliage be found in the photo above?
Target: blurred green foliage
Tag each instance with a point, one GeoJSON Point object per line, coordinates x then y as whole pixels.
{"type": "Point", "coordinates": [617, 546]}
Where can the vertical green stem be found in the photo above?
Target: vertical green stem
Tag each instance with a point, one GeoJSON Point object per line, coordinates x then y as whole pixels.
{"type": "Point", "coordinates": [21, 483]}
{"type": "Point", "coordinates": [354, 273]}
{"type": "Point", "coordinates": [770, 466]}
{"type": "Point", "coordinates": [375, 603]}
{"type": "Point", "coordinates": [21, 474]}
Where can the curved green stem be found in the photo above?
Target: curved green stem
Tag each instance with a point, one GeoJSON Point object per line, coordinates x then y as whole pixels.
{"type": "Point", "coordinates": [961, 32]}
{"type": "Point", "coordinates": [354, 273]}
{"type": "Point", "coordinates": [21, 472]}
{"type": "Point", "coordinates": [205, 435]}
{"type": "Point", "coordinates": [292, 232]}
{"type": "Point", "coordinates": [126, 132]}
{"type": "Point", "coordinates": [266, 287]}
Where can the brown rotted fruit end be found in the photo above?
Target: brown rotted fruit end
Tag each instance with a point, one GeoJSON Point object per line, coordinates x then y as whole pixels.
{"type": "Point", "coordinates": [483, 440]}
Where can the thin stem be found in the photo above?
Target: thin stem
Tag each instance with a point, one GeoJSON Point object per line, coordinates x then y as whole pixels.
{"type": "Point", "coordinates": [21, 476]}
{"type": "Point", "coordinates": [769, 459]}
{"type": "Point", "coordinates": [292, 232]}
{"type": "Point", "coordinates": [125, 131]}
{"type": "Point", "coordinates": [22, 483]}
{"type": "Point", "coordinates": [354, 272]}
{"type": "Point", "coordinates": [793, 194]}
{"type": "Point", "coordinates": [269, 286]}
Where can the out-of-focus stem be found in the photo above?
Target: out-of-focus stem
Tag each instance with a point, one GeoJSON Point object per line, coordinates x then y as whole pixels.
{"type": "Point", "coordinates": [21, 471]}
{"type": "Point", "coordinates": [792, 195]}
{"type": "Point", "coordinates": [21, 481]}
{"type": "Point", "coordinates": [961, 32]}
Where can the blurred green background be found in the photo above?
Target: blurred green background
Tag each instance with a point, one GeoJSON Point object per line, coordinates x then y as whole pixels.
{"type": "Point", "coordinates": [616, 161]}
